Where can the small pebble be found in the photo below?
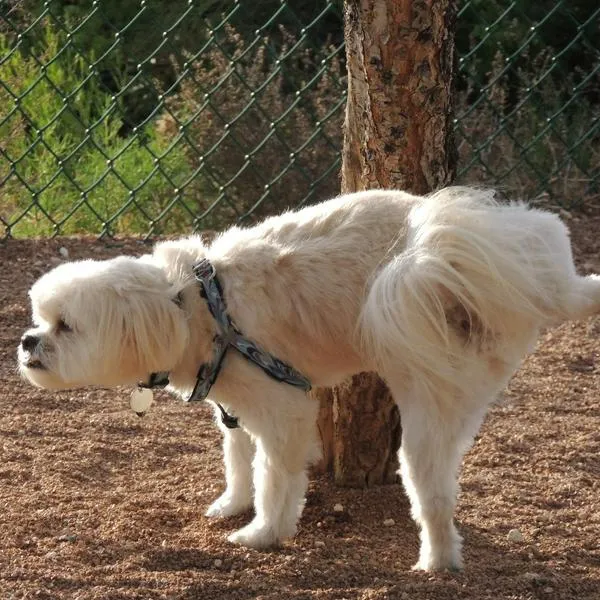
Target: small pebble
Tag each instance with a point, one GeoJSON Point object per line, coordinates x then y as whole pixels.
{"type": "Point", "coordinates": [63, 252]}
{"type": "Point", "coordinates": [338, 508]}
{"type": "Point", "coordinates": [389, 522]}
{"type": "Point", "coordinates": [534, 578]}
{"type": "Point", "coordinates": [67, 537]}
{"type": "Point", "coordinates": [514, 535]}
{"type": "Point", "coordinates": [218, 563]}
{"type": "Point", "coordinates": [548, 590]}
{"type": "Point", "coordinates": [320, 544]}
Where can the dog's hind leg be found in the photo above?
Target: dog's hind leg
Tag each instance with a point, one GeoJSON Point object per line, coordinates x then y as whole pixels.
{"type": "Point", "coordinates": [434, 439]}
{"type": "Point", "coordinates": [238, 451]}
{"type": "Point", "coordinates": [285, 446]}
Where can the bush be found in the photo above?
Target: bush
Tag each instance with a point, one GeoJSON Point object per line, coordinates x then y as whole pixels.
{"type": "Point", "coordinates": [524, 34]}
{"type": "Point", "coordinates": [536, 141]}
{"type": "Point", "coordinates": [221, 123]}
{"type": "Point", "coordinates": [60, 141]}
{"type": "Point", "coordinates": [262, 131]}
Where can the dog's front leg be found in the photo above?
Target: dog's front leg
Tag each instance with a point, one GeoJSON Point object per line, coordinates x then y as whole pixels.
{"type": "Point", "coordinates": [238, 451]}
{"type": "Point", "coordinates": [279, 502]}
{"type": "Point", "coordinates": [284, 448]}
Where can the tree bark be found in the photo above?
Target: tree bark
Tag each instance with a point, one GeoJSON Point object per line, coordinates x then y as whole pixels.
{"type": "Point", "coordinates": [397, 134]}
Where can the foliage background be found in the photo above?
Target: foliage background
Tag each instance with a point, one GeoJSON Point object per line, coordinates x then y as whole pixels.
{"type": "Point", "coordinates": [122, 116]}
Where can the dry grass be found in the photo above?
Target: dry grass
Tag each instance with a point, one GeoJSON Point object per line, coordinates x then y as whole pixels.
{"type": "Point", "coordinates": [524, 134]}
{"type": "Point", "coordinates": [264, 132]}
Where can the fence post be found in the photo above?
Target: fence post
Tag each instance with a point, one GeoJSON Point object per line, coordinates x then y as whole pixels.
{"type": "Point", "coordinates": [397, 134]}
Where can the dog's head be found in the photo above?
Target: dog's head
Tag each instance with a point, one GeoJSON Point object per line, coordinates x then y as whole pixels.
{"type": "Point", "coordinates": [102, 323]}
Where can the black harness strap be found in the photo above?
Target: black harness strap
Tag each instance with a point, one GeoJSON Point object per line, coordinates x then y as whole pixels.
{"type": "Point", "coordinates": [228, 337]}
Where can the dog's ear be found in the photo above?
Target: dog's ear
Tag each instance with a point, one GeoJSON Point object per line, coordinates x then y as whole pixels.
{"type": "Point", "coordinates": [128, 274]}
{"type": "Point", "coordinates": [154, 330]}
{"type": "Point", "coordinates": [149, 259]}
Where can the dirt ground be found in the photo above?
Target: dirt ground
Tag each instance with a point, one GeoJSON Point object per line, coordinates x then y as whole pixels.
{"type": "Point", "coordinates": [96, 503]}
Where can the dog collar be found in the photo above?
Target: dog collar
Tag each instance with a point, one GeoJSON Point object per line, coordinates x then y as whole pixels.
{"type": "Point", "coordinates": [228, 336]}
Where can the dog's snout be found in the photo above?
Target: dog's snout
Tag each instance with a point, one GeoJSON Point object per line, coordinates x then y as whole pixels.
{"type": "Point", "coordinates": [29, 342]}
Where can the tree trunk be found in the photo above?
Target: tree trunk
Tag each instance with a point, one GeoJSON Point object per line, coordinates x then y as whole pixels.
{"type": "Point", "coordinates": [397, 134]}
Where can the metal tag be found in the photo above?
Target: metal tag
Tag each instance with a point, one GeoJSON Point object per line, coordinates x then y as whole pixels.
{"type": "Point", "coordinates": [141, 400]}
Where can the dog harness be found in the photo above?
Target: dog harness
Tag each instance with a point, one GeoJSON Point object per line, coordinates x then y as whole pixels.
{"type": "Point", "coordinates": [228, 336]}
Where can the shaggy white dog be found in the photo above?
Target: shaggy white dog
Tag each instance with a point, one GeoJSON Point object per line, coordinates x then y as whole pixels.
{"type": "Point", "coordinates": [442, 296]}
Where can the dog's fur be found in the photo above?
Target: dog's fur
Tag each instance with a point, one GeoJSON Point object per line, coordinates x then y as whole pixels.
{"type": "Point", "coordinates": [442, 296]}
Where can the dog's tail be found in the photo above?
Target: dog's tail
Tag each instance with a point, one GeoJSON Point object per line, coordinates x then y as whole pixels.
{"type": "Point", "coordinates": [471, 270]}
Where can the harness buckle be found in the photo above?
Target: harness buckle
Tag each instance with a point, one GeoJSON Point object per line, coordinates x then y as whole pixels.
{"type": "Point", "coordinates": [204, 270]}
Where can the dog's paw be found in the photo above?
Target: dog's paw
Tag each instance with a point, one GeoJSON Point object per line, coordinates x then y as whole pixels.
{"type": "Point", "coordinates": [227, 506]}
{"type": "Point", "coordinates": [451, 561]}
{"type": "Point", "coordinates": [255, 535]}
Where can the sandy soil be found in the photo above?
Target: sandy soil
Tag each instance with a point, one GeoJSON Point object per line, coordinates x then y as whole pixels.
{"type": "Point", "coordinates": [96, 503]}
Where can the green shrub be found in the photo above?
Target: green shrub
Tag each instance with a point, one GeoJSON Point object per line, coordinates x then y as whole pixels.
{"type": "Point", "coordinates": [140, 133]}
{"type": "Point", "coordinates": [60, 144]}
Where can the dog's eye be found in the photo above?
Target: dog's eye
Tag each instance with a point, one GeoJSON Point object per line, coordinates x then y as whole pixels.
{"type": "Point", "coordinates": [62, 327]}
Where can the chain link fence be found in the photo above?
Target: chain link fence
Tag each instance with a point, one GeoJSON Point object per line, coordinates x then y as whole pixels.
{"type": "Point", "coordinates": [147, 117]}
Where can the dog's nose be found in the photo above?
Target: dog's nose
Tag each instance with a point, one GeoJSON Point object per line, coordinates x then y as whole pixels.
{"type": "Point", "coordinates": [29, 342]}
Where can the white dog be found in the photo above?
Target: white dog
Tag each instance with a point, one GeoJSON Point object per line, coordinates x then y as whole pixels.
{"type": "Point", "coordinates": [442, 296]}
